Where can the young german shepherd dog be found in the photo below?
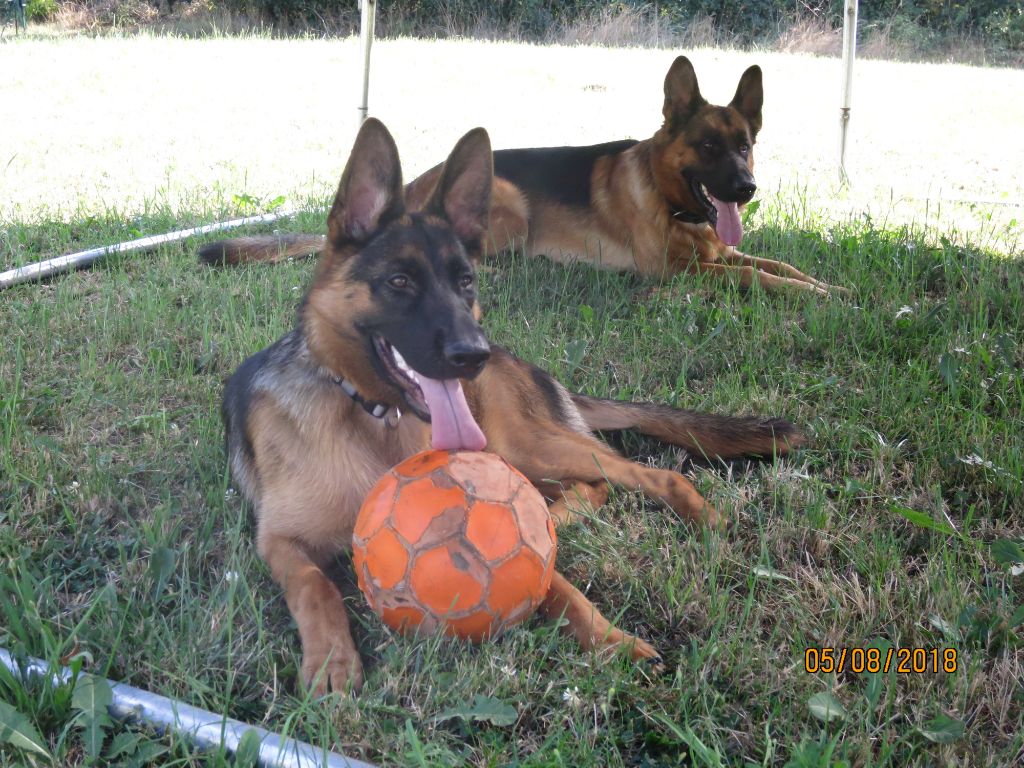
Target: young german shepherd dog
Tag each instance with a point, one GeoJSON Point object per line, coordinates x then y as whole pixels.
{"type": "Point", "coordinates": [387, 358]}
{"type": "Point", "coordinates": [665, 205]}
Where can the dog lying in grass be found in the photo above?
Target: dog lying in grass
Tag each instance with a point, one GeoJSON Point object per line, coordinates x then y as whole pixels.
{"type": "Point", "coordinates": [388, 358]}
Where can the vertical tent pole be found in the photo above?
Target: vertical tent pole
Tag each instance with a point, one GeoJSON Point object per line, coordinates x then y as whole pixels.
{"type": "Point", "coordinates": [367, 20]}
{"type": "Point", "coordinates": [849, 54]}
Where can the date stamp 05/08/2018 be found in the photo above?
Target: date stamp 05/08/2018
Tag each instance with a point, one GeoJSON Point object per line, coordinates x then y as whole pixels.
{"type": "Point", "coordinates": [905, 661]}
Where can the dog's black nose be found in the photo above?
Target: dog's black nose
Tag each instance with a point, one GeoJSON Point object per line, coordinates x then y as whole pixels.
{"type": "Point", "coordinates": [745, 190]}
{"type": "Point", "coordinates": [468, 355]}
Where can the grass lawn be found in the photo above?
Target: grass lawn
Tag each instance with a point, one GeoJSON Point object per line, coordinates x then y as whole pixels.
{"type": "Point", "coordinates": [122, 544]}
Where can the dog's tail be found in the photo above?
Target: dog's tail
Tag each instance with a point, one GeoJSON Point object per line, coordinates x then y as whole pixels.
{"type": "Point", "coordinates": [264, 248]}
{"type": "Point", "coordinates": [705, 434]}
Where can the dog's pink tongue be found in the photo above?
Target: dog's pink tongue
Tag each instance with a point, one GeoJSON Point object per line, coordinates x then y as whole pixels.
{"type": "Point", "coordinates": [452, 426]}
{"type": "Point", "coordinates": [729, 228]}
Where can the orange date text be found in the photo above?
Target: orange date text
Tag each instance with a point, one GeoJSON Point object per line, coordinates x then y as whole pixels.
{"type": "Point", "coordinates": [904, 661]}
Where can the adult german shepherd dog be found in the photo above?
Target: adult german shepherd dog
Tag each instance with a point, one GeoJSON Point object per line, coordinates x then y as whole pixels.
{"type": "Point", "coordinates": [665, 205]}
{"type": "Point", "coordinates": [386, 359]}
{"type": "Point", "coordinates": [659, 207]}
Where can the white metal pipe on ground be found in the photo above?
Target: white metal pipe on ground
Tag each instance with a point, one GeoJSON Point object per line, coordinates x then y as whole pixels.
{"type": "Point", "coordinates": [206, 730]}
{"type": "Point", "coordinates": [846, 98]}
{"type": "Point", "coordinates": [59, 264]}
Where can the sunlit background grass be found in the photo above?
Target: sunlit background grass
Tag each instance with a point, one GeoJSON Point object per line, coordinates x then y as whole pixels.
{"type": "Point", "coordinates": [99, 124]}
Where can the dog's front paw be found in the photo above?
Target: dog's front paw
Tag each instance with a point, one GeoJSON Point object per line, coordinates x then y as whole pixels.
{"type": "Point", "coordinates": [638, 650]}
{"type": "Point", "coordinates": [334, 670]}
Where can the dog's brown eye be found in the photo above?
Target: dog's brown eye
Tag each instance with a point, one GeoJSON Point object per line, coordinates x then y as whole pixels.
{"type": "Point", "coordinates": [398, 281]}
{"type": "Point", "coordinates": [709, 145]}
{"type": "Point", "coordinates": [744, 148]}
{"type": "Point", "coordinates": [465, 281]}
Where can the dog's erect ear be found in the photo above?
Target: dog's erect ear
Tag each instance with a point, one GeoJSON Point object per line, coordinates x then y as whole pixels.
{"type": "Point", "coordinates": [682, 96]}
{"type": "Point", "coordinates": [749, 98]}
{"type": "Point", "coordinates": [463, 193]}
{"type": "Point", "coordinates": [370, 192]}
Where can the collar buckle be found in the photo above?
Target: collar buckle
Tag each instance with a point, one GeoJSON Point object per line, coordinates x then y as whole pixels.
{"type": "Point", "coordinates": [377, 410]}
{"type": "Point", "coordinates": [688, 217]}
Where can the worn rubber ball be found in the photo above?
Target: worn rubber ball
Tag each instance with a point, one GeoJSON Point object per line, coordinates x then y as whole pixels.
{"type": "Point", "coordinates": [457, 542]}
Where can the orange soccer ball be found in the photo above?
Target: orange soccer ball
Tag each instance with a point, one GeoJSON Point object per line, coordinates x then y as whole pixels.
{"type": "Point", "coordinates": [454, 541]}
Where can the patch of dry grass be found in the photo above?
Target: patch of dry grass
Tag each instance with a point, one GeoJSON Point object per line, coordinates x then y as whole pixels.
{"type": "Point", "coordinates": [813, 36]}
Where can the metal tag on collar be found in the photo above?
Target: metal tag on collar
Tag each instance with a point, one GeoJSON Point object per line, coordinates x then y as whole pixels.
{"type": "Point", "coordinates": [377, 410]}
{"type": "Point", "coordinates": [392, 417]}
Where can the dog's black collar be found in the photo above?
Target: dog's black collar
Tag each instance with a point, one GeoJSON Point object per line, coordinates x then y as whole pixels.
{"type": "Point", "coordinates": [689, 216]}
{"type": "Point", "coordinates": [377, 410]}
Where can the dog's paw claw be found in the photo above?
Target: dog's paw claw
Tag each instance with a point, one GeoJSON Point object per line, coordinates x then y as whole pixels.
{"type": "Point", "coordinates": [654, 665]}
{"type": "Point", "coordinates": [323, 675]}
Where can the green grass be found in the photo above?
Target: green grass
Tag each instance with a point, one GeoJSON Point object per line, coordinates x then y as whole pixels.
{"type": "Point", "coordinates": [123, 548]}
{"type": "Point", "coordinates": [120, 538]}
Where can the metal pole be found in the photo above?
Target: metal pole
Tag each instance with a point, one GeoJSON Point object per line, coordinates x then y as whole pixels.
{"type": "Point", "coordinates": [58, 264]}
{"type": "Point", "coordinates": [849, 54]}
{"type": "Point", "coordinates": [367, 21]}
{"type": "Point", "coordinates": [204, 729]}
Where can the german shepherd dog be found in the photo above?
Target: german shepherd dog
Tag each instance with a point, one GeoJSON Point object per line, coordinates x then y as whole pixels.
{"type": "Point", "coordinates": [659, 207]}
{"type": "Point", "coordinates": [665, 205]}
{"type": "Point", "coordinates": [387, 358]}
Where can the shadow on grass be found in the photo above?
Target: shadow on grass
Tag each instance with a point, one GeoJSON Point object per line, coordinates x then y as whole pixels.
{"type": "Point", "coordinates": [111, 454]}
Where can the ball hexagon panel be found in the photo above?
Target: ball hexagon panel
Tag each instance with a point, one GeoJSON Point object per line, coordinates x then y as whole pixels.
{"type": "Point", "coordinates": [534, 521]}
{"type": "Point", "coordinates": [404, 618]}
{"type": "Point", "coordinates": [492, 529]}
{"type": "Point", "coordinates": [476, 627]}
{"type": "Point", "coordinates": [386, 558]}
{"type": "Point", "coordinates": [421, 464]}
{"type": "Point", "coordinates": [419, 503]}
{"type": "Point", "coordinates": [449, 579]}
{"type": "Point", "coordinates": [376, 508]}
{"type": "Point", "coordinates": [524, 580]}
{"type": "Point", "coordinates": [476, 473]}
